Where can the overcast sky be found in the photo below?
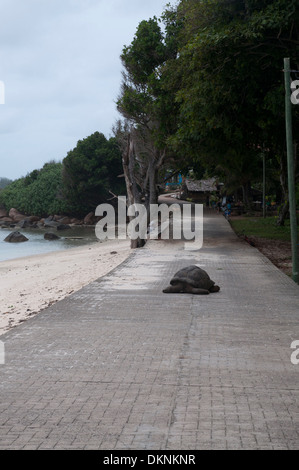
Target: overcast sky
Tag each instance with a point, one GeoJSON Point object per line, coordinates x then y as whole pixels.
{"type": "Point", "coordinates": [59, 62]}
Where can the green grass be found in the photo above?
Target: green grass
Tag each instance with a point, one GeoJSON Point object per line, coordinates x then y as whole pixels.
{"type": "Point", "coordinates": [263, 228]}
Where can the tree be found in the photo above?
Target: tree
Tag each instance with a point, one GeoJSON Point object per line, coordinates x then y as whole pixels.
{"type": "Point", "coordinates": [231, 99]}
{"type": "Point", "coordinates": [38, 193]}
{"type": "Point", "coordinates": [147, 107]}
{"type": "Point", "coordinates": [90, 170]}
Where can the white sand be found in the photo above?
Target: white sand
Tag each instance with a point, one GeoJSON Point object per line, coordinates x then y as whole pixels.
{"type": "Point", "coordinates": [30, 284]}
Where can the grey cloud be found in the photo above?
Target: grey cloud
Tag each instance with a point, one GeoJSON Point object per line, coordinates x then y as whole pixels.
{"type": "Point", "coordinates": [62, 73]}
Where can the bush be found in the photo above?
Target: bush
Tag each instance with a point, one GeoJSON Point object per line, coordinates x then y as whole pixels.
{"type": "Point", "coordinates": [38, 193]}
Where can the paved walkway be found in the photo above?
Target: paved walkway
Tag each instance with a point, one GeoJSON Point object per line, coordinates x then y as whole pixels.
{"type": "Point", "coordinates": [119, 365]}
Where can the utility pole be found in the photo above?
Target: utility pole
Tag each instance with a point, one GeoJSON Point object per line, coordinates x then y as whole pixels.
{"type": "Point", "coordinates": [291, 173]}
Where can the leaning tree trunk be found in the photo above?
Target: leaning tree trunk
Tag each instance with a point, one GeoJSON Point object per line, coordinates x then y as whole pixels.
{"type": "Point", "coordinates": [141, 175]}
{"type": "Point", "coordinates": [133, 193]}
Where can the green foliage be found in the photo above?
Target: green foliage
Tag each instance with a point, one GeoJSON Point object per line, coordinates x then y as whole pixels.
{"type": "Point", "coordinates": [147, 97]}
{"type": "Point", "coordinates": [90, 170]}
{"type": "Point", "coordinates": [230, 98]}
{"type": "Point", "coordinates": [210, 87]}
{"type": "Point", "coordinates": [263, 228]}
{"type": "Point", "coordinates": [39, 193]}
{"type": "Point", "coordinates": [74, 187]}
{"type": "Point", "coordinates": [147, 103]}
{"type": "Point", "coordinates": [145, 53]}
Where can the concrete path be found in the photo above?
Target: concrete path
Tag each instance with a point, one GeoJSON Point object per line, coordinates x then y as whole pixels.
{"type": "Point", "coordinates": [120, 365]}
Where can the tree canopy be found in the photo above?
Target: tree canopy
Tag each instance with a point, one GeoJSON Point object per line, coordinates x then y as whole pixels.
{"type": "Point", "coordinates": [231, 100]}
{"type": "Point", "coordinates": [75, 186]}
{"type": "Point", "coordinates": [39, 193]}
{"type": "Point", "coordinates": [90, 170]}
{"type": "Point", "coordinates": [211, 86]}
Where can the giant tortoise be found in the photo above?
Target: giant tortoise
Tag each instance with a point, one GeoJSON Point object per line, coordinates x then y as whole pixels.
{"type": "Point", "coordinates": [191, 280]}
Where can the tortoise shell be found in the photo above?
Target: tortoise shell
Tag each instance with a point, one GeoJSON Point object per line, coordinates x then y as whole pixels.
{"type": "Point", "coordinates": [193, 276]}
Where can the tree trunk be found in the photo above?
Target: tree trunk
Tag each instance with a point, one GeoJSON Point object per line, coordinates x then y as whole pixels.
{"type": "Point", "coordinates": [153, 173]}
{"type": "Point", "coordinates": [246, 195]}
{"type": "Point", "coordinates": [133, 193]}
{"type": "Point", "coordinates": [284, 208]}
{"type": "Point", "coordinates": [141, 175]}
{"type": "Point", "coordinates": [283, 212]}
{"type": "Point", "coordinates": [126, 168]}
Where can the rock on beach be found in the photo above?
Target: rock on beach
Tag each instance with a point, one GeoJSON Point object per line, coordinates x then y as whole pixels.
{"type": "Point", "coordinates": [51, 236]}
{"type": "Point", "coordinates": [16, 237]}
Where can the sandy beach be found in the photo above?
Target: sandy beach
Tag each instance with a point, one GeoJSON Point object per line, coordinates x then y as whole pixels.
{"type": "Point", "coordinates": [30, 284]}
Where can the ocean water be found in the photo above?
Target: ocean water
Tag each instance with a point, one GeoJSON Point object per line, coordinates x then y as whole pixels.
{"type": "Point", "coordinates": [37, 244]}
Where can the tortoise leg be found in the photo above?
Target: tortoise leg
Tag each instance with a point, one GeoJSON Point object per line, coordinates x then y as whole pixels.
{"type": "Point", "coordinates": [196, 291]}
{"type": "Point", "coordinates": [175, 289]}
{"type": "Point", "coordinates": [215, 289]}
